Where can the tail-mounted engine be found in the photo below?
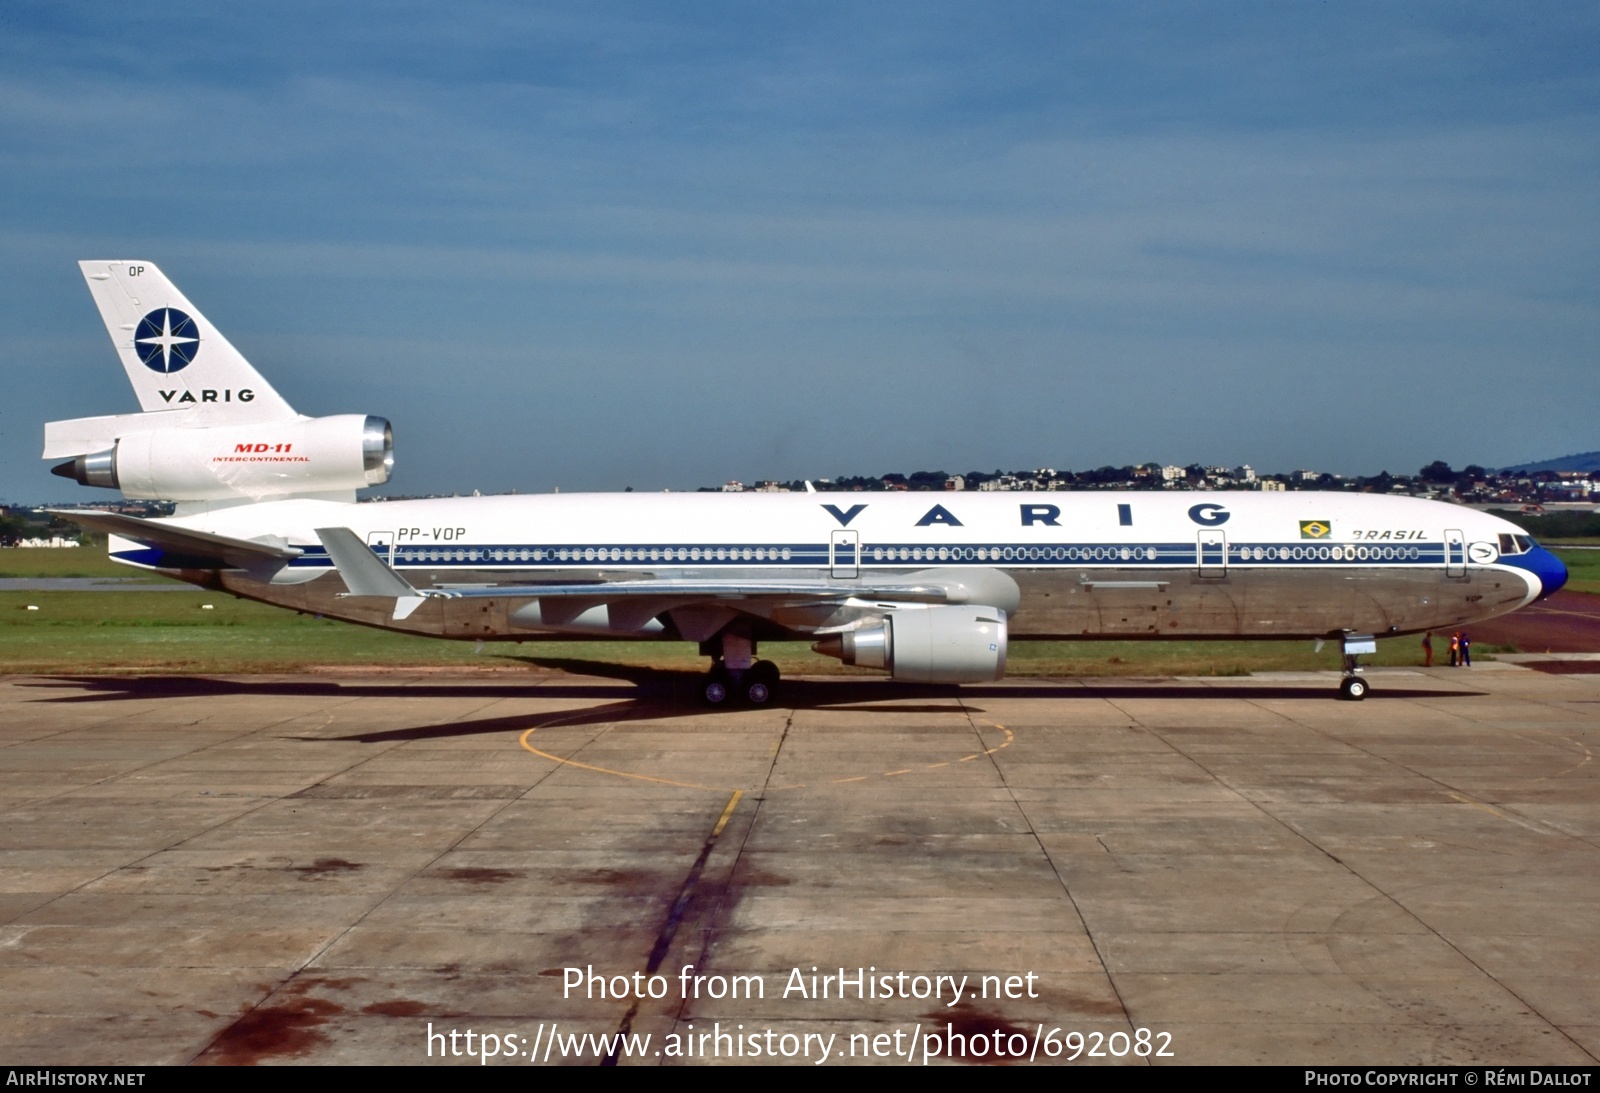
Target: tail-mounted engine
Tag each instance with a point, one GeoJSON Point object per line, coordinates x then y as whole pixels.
{"type": "Point", "coordinates": [954, 644]}
{"type": "Point", "coordinates": [247, 461]}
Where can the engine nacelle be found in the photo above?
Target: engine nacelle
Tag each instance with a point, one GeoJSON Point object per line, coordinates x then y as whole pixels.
{"type": "Point", "coordinates": [954, 644]}
{"type": "Point", "coordinates": [256, 462]}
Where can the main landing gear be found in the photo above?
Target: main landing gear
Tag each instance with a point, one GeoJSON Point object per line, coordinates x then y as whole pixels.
{"type": "Point", "coordinates": [1352, 687]}
{"type": "Point", "coordinates": [735, 674]}
{"type": "Point", "coordinates": [754, 686]}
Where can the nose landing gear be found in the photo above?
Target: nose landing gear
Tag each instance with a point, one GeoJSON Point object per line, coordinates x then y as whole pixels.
{"type": "Point", "coordinates": [1352, 687]}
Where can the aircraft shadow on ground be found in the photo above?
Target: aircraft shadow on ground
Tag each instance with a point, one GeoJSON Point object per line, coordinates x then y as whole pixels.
{"type": "Point", "coordinates": [843, 697]}
{"type": "Point", "coordinates": [653, 694]}
{"type": "Point", "coordinates": [114, 688]}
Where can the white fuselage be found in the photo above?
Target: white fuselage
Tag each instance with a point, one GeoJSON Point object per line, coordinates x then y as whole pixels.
{"type": "Point", "coordinates": [1089, 564]}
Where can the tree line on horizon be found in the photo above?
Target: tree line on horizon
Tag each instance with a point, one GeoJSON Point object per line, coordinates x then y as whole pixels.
{"type": "Point", "coordinates": [1436, 475]}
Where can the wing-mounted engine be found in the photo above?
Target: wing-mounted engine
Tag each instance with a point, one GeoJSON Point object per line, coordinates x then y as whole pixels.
{"type": "Point", "coordinates": [946, 644]}
{"type": "Point", "coordinates": [250, 462]}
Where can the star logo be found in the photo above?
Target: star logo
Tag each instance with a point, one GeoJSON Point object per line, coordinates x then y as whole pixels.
{"type": "Point", "coordinates": [167, 340]}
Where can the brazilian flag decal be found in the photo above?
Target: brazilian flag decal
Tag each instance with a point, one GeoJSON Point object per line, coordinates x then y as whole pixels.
{"type": "Point", "coordinates": [1315, 529]}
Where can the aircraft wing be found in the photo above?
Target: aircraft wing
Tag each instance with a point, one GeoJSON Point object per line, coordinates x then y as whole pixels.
{"type": "Point", "coordinates": [698, 608]}
{"type": "Point", "coordinates": [182, 547]}
{"type": "Point", "coordinates": [639, 600]}
{"type": "Point", "coordinates": [367, 575]}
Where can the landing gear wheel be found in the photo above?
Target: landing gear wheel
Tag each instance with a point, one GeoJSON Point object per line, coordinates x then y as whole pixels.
{"type": "Point", "coordinates": [716, 688]}
{"type": "Point", "coordinates": [1353, 688]}
{"type": "Point", "coordinates": [760, 679]}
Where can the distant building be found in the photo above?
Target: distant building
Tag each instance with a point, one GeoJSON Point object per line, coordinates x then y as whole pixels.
{"type": "Point", "coordinates": [732, 487]}
{"type": "Point", "coordinates": [955, 482]}
{"type": "Point", "coordinates": [1569, 488]}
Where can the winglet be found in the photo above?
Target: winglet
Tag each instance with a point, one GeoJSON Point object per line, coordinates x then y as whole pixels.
{"type": "Point", "coordinates": [365, 574]}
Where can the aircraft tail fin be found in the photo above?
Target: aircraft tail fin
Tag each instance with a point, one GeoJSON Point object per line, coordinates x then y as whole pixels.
{"type": "Point", "coordinates": [174, 357]}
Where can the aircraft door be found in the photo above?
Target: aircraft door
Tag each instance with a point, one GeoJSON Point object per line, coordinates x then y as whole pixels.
{"type": "Point", "coordinates": [844, 554]}
{"type": "Point", "coordinates": [1212, 547]}
{"type": "Point", "coordinates": [381, 543]}
{"type": "Point", "coordinates": [1455, 554]}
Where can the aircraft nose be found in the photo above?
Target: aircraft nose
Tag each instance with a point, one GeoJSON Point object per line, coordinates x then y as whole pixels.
{"type": "Point", "coordinates": [1547, 567]}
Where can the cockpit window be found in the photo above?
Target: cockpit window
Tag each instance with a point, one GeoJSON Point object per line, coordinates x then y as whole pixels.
{"type": "Point", "coordinates": [1507, 544]}
{"type": "Point", "coordinates": [1523, 543]}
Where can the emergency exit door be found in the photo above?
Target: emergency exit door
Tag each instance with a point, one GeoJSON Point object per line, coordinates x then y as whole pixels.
{"type": "Point", "coordinates": [1455, 554]}
{"type": "Point", "coordinates": [381, 543]}
{"type": "Point", "coordinates": [1213, 551]}
{"type": "Point", "coordinates": [844, 554]}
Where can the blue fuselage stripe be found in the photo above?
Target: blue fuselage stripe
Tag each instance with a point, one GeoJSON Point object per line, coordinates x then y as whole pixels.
{"type": "Point", "coordinates": [899, 555]}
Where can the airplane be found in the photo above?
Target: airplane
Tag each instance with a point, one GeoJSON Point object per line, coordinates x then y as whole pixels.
{"type": "Point", "coordinates": [929, 588]}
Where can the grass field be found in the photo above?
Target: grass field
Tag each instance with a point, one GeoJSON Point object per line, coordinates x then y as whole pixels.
{"type": "Point", "coordinates": [84, 561]}
{"type": "Point", "coordinates": [174, 632]}
{"type": "Point", "coordinates": [1583, 569]}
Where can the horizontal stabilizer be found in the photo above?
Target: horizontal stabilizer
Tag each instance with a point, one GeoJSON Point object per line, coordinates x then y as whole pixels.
{"type": "Point", "coordinates": [85, 435]}
{"type": "Point", "coordinates": [182, 547]}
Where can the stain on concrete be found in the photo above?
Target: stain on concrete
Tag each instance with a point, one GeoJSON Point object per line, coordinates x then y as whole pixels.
{"type": "Point", "coordinates": [761, 878]}
{"type": "Point", "coordinates": [275, 1032]}
{"type": "Point", "coordinates": [323, 867]}
{"type": "Point", "coordinates": [478, 875]}
{"type": "Point", "coordinates": [399, 1007]}
{"type": "Point", "coordinates": [290, 1028]}
{"type": "Point", "coordinates": [979, 1025]}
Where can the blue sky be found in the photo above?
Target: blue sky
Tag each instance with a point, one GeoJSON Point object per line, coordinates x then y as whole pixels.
{"type": "Point", "coordinates": [657, 245]}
